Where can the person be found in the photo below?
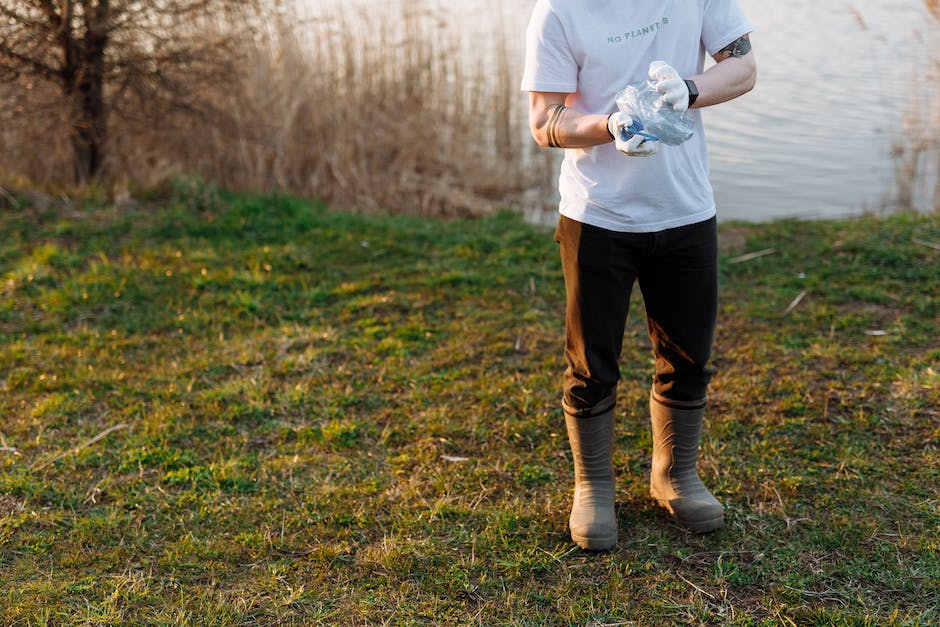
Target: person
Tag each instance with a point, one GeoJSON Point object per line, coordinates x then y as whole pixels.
{"type": "Point", "coordinates": [634, 210]}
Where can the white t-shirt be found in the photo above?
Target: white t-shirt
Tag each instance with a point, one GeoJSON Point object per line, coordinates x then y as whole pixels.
{"type": "Point", "coordinates": [590, 50]}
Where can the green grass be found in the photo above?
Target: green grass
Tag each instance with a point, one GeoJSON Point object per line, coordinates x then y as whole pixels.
{"type": "Point", "coordinates": [321, 418]}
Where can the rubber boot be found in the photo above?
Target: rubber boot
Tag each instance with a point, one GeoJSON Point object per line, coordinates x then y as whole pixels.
{"type": "Point", "coordinates": [593, 522]}
{"type": "Point", "coordinates": [674, 482]}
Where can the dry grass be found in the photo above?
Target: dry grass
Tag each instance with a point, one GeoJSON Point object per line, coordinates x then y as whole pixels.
{"type": "Point", "coordinates": [372, 113]}
{"type": "Point", "coordinates": [368, 111]}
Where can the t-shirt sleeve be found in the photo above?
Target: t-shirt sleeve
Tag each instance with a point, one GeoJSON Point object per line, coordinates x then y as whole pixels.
{"type": "Point", "coordinates": [724, 22]}
{"type": "Point", "coordinates": [549, 63]}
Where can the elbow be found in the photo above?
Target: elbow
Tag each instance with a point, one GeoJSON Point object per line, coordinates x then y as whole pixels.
{"type": "Point", "coordinates": [750, 81]}
{"type": "Point", "coordinates": [539, 135]}
{"type": "Point", "coordinates": [541, 142]}
{"type": "Point", "coordinates": [750, 76]}
{"type": "Point", "coordinates": [741, 74]}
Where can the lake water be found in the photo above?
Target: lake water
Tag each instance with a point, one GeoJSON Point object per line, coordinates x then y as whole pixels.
{"type": "Point", "coordinates": [815, 138]}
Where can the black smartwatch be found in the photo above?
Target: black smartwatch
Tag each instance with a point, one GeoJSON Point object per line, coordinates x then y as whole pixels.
{"type": "Point", "coordinates": [693, 91]}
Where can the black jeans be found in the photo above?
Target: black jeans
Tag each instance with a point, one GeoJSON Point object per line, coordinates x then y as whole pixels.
{"type": "Point", "coordinates": [677, 270]}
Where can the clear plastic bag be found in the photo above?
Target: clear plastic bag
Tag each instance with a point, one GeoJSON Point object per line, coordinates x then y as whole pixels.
{"type": "Point", "coordinates": [643, 103]}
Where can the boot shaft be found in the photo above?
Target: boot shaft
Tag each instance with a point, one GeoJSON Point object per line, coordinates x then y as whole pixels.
{"type": "Point", "coordinates": [676, 429]}
{"type": "Point", "coordinates": [593, 522]}
{"type": "Point", "coordinates": [591, 441]}
{"type": "Point", "coordinates": [674, 480]}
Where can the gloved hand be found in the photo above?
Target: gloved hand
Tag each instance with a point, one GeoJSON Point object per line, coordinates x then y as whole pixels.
{"type": "Point", "coordinates": [635, 146]}
{"type": "Point", "coordinates": [667, 81]}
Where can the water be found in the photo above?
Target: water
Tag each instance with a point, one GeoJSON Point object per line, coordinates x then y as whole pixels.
{"type": "Point", "coordinates": [815, 138]}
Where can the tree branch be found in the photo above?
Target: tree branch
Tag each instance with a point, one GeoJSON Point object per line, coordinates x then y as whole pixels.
{"type": "Point", "coordinates": [38, 68]}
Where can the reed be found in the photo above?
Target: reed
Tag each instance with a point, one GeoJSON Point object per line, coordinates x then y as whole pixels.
{"type": "Point", "coordinates": [369, 111]}
{"type": "Point", "coordinates": [917, 152]}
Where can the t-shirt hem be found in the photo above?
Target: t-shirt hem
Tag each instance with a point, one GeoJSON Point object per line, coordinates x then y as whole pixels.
{"type": "Point", "coordinates": [620, 227]}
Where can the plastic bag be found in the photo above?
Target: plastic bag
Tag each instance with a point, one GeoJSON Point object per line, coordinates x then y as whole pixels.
{"type": "Point", "coordinates": [643, 103]}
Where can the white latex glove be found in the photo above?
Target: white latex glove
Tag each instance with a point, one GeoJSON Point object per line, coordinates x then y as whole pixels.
{"type": "Point", "coordinates": [667, 81]}
{"type": "Point", "coordinates": [636, 146]}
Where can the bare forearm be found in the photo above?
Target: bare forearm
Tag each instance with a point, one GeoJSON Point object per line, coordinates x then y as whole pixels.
{"type": "Point", "coordinates": [734, 74]}
{"type": "Point", "coordinates": [725, 81]}
{"type": "Point", "coordinates": [556, 126]}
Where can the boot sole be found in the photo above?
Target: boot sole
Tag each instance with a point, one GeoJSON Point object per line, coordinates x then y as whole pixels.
{"type": "Point", "coordinates": [701, 526]}
{"type": "Point", "coordinates": [595, 544]}
{"type": "Point", "coordinates": [698, 526]}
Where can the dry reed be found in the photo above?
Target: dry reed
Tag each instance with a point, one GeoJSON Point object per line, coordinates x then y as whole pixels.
{"type": "Point", "coordinates": [917, 153]}
{"type": "Point", "coordinates": [371, 112]}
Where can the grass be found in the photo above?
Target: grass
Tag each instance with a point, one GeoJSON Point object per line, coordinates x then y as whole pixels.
{"type": "Point", "coordinates": [222, 409]}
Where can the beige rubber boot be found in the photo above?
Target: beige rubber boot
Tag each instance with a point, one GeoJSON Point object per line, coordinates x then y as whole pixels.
{"type": "Point", "coordinates": [674, 482]}
{"type": "Point", "coordinates": [593, 522]}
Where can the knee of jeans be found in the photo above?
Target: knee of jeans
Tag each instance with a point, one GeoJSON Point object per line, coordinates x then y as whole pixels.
{"type": "Point", "coordinates": [590, 402]}
{"type": "Point", "coordinates": [685, 387]}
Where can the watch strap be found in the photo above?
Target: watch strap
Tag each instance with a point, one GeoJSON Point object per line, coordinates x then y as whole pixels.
{"type": "Point", "coordinates": [693, 91]}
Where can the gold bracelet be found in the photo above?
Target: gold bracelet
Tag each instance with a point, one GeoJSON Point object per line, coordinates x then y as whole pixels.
{"type": "Point", "coordinates": [554, 140]}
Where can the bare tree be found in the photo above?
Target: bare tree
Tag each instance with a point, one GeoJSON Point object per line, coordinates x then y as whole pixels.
{"type": "Point", "coordinates": [135, 58]}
